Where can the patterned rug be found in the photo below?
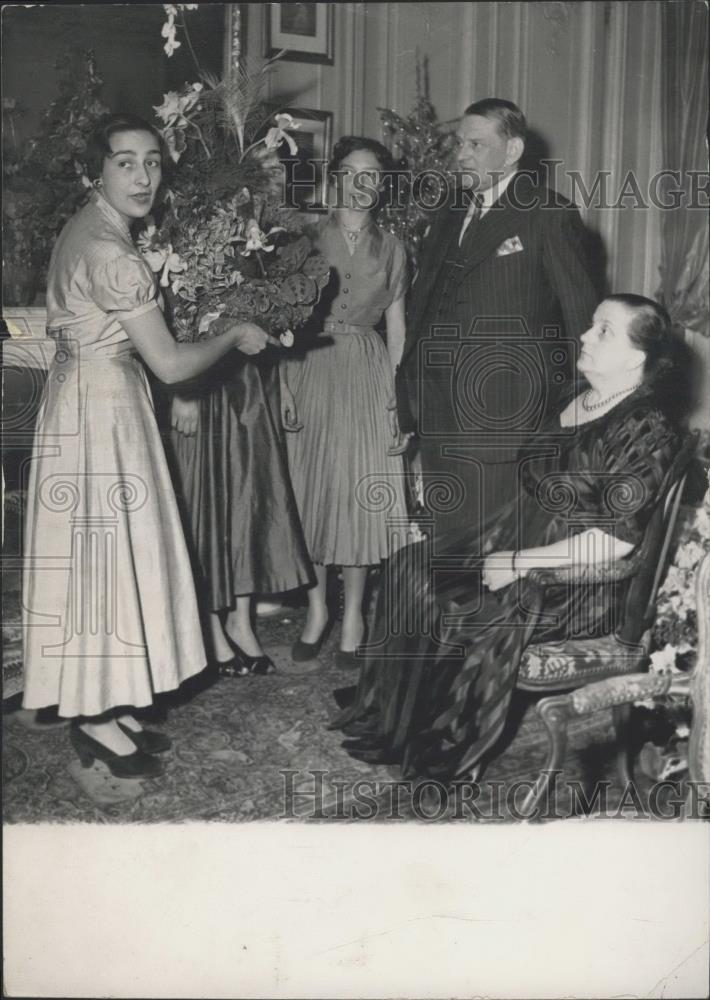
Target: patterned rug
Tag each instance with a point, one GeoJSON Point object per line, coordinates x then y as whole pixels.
{"type": "Point", "coordinates": [258, 748]}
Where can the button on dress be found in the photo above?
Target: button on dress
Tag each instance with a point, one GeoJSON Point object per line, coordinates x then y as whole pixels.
{"type": "Point", "coordinates": [349, 491]}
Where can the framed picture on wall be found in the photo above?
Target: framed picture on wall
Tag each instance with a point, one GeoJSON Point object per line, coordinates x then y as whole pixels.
{"type": "Point", "coordinates": [306, 174]}
{"type": "Point", "coordinates": [304, 30]}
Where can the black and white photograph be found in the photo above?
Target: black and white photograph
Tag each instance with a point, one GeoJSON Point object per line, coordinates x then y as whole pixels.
{"type": "Point", "coordinates": [356, 499]}
{"type": "Point", "coordinates": [306, 175]}
{"type": "Point", "coordinates": [302, 31]}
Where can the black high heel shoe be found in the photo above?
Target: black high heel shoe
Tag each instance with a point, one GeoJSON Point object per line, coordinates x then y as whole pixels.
{"type": "Point", "coordinates": [230, 668]}
{"type": "Point", "coordinates": [258, 666]}
{"type": "Point", "coordinates": [302, 651]}
{"type": "Point", "coordinates": [348, 659]}
{"type": "Point", "coordinates": [371, 751]}
{"type": "Point", "coordinates": [148, 740]}
{"type": "Point", "coordinates": [133, 765]}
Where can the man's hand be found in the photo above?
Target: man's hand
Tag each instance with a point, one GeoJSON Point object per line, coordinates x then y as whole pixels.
{"type": "Point", "coordinates": [251, 339]}
{"type": "Point", "coordinates": [183, 415]}
{"type": "Point", "coordinates": [289, 414]}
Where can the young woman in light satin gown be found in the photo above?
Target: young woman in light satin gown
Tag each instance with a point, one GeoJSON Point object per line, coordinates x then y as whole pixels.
{"type": "Point", "coordinates": [110, 613]}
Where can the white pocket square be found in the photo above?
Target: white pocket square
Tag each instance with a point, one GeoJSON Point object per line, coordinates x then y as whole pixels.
{"type": "Point", "coordinates": [513, 245]}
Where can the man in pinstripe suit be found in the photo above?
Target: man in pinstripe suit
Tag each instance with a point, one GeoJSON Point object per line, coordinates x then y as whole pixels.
{"type": "Point", "coordinates": [501, 297]}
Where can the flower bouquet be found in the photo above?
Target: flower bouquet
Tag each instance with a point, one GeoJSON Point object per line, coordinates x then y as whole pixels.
{"type": "Point", "coordinates": [675, 636]}
{"type": "Point", "coordinates": [675, 631]}
{"type": "Point", "coordinates": [224, 246]}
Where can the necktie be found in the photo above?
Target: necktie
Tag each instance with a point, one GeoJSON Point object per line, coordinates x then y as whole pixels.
{"type": "Point", "coordinates": [474, 213]}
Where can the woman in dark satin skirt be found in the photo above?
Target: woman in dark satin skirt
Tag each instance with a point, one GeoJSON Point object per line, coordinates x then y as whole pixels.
{"type": "Point", "coordinates": [232, 472]}
{"type": "Point", "coordinates": [454, 618]}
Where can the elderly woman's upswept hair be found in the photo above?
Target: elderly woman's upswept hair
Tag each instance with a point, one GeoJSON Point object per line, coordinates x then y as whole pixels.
{"type": "Point", "coordinates": [99, 145]}
{"type": "Point", "coordinates": [668, 368]}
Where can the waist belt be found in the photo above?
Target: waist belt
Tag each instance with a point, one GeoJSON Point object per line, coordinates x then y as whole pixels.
{"type": "Point", "coordinates": [68, 351]}
{"type": "Point", "coordinates": [335, 326]}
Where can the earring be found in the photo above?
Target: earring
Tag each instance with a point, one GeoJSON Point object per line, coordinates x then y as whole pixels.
{"type": "Point", "coordinates": [98, 183]}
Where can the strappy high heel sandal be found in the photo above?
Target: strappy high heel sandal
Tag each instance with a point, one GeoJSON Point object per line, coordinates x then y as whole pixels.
{"type": "Point", "coordinates": [256, 666]}
{"type": "Point", "coordinates": [230, 668]}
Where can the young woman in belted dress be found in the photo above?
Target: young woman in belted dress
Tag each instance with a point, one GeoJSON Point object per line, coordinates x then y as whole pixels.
{"type": "Point", "coordinates": [338, 398]}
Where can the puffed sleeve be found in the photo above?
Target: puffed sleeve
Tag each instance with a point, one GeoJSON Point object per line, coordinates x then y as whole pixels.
{"type": "Point", "coordinates": [123, 286]}
{"type": "Point", "coordinates": [399, 280]}
{"type": "Point", "coordinates": [634, 455]}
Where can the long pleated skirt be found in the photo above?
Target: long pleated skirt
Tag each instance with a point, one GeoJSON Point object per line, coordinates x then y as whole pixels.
{"type": "Point", "coordinates": [349, 491]}
{"type": "Point", "coordinates": [109, 606]}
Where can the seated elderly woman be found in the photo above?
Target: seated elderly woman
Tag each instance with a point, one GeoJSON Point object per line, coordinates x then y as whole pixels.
{"type": "Point", "coordinates": [442, 660]}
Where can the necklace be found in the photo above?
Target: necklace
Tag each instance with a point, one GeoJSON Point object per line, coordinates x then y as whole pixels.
{"type": "Point", "coordinates": [352, 234]}
{"type": "Point", "coordinates": [602, 402]}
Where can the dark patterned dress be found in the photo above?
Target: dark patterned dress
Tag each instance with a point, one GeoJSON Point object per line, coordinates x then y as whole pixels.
{"type": "Point", "coordinates": [443, 657]}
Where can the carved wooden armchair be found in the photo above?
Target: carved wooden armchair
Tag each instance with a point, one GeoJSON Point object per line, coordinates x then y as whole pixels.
{"type": "Point", "coordinates": [607, 672]}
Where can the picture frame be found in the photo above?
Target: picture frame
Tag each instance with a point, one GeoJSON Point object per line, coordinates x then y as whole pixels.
{"type": "Point", "coordinates": [306, 173]}
{"type": "Point", "coordinates": [304, 32]}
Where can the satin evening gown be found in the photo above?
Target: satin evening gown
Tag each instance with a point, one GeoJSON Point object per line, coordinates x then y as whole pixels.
{"type": "Point", "coordinates": [443, 656]}
{"type": "Point", "coordinates": [109, 607]}
{"type": "Point", "coordinates": [233, 479]}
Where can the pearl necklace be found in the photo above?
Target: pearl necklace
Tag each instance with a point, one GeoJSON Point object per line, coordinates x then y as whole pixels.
{"type": "Point", "coordinates": [589, 407]}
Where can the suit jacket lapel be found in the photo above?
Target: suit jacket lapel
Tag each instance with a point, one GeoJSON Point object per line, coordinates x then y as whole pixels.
{"type": "Point", "coordinates": [483, 238]}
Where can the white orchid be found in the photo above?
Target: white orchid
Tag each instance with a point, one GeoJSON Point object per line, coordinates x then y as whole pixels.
{"type": "Point", "coordinates": [175, 107]}
{"type": "Point", "coordinates": [160, 256]}
{"type": "Point", "coordinates": [255, 239]}
{"type": "Point", "coordinates": [174, 112]}
{"type": "Point", "coordinates": [168, 31]}
{"type": "Point", "coordinates": [208, 319]}
{"type": "Point", "coordinates": [174, 264]}
{"type": "Point", "coordinates": [278, 134]}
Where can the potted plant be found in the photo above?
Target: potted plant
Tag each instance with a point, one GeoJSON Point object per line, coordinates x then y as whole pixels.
{"type": "Point", "coordinates": [43, 178]}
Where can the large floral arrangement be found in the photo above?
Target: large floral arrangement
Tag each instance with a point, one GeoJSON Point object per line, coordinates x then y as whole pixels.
{"type": "Point", "coordinates": [224, 246]}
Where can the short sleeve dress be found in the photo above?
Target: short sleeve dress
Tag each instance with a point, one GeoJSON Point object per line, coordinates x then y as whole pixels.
{"type": "Point", "coordinates": [434, 696]}
{"type": "Point", "coordinates": [349, 491]}
{"type": "Point", "coordinates": [109, 607]}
